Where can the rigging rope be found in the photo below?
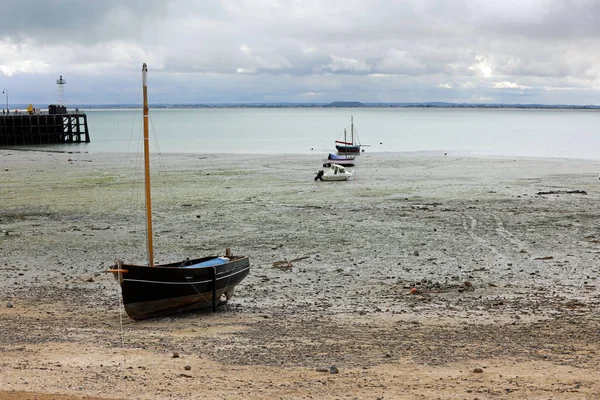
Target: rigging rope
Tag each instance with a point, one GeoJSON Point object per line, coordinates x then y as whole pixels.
{"type": "Point", "coordinates": [162, 172]}
{"type": "Point", "coordinates": [135, 193]}
{"type": "Point", "coordinates": [121, 310]}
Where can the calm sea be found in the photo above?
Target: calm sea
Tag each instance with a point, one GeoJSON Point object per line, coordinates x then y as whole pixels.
{"type": "Point", "coordinates": [505, 132]}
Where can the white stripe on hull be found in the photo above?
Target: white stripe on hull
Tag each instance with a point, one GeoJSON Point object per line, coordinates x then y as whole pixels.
{"type": "Point", "coordinates": [187, 283]}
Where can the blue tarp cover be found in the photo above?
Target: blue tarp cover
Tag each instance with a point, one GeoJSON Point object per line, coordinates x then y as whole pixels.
{"type": "Point", "coordinates": [209, 263]}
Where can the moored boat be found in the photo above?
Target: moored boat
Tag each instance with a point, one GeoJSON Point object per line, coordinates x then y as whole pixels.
{"type": "Point", "coordinates": [345, 160]}
{"type": "Point", "coordinates": [351, 146]}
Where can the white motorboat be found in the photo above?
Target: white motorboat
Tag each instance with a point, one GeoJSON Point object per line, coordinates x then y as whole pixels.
{"type": "Point", "coordinates": [333, 172]}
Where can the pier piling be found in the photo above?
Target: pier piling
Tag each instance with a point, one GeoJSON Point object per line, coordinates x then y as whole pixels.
{"type": "Point", "coordinates": [27, 128]}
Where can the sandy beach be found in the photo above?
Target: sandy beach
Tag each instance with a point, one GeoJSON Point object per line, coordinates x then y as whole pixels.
{"type": "Point", "coordinates": [503, 254]}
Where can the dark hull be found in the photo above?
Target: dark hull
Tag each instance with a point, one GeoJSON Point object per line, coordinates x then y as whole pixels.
{"type": "Point", "coordinates": [169, 288]}
{"type": "Point", "coordinates": [347, 149]}
{"type": "Point", "coordinates": [346, 162]}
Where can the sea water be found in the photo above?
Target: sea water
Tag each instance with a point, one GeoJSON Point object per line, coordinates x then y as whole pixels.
{"type": "Point", "coordinates": [476, 131]}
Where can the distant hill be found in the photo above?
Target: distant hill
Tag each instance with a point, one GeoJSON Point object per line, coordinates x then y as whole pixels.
{"type": "Point", "coordinates": [335, 104]}
{"type": "Point", "coordinates": [345, 104]}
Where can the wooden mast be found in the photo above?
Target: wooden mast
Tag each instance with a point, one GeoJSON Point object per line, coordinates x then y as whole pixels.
{"type": "Point", "coordinates": [147, 169]}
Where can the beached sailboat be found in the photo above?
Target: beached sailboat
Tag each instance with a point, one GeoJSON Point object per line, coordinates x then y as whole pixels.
{"type": "Point", "coordinates": [352, 146]}
{"type": "Point", "coordinates": [154, 290]}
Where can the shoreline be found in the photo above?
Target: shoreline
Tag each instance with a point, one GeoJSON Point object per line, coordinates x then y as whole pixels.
{"type": "Point", "coordinates": [506, 277]}
{"type": "Point", "coordinates": [347, 105]}
{"type": "Point", "coordinates": [413, 154]}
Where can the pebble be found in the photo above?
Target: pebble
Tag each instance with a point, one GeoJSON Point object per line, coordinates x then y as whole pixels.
{"type": "Point", "coordinates": [187, 367]}
{"type": "Point", "coordinates": [478, 370]}
{"type": "Point", "coordinates": [9, 305]}
{"type": "Point", "coordinates": [175, 355]}
{"type": "Point", "coordinates": [333, 370]}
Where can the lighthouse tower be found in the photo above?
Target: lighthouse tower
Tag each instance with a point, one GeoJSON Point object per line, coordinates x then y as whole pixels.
{"type": "Point", "coordinates": [60, 107]}
{"type": "Point", "coordinates": [60, 82]}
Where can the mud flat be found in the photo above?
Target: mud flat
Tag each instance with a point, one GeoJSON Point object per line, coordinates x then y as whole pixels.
{"type": "Point", "coordinates": [427, 276]}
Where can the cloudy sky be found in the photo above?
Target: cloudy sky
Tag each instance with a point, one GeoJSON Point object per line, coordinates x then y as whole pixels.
{"type": "Point", "coordinates": [239, 51]}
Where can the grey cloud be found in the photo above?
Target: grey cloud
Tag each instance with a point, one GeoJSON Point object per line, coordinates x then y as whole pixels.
{"type": "Point", "coordinates": [360, 50]}
{"type": "Point", "coordinates": [55, 21]}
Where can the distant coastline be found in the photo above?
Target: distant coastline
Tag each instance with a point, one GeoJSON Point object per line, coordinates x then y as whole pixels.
{"type": "Point", "coordinates": [335, 104]}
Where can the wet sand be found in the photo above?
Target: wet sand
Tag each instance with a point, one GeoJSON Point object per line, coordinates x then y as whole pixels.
{"type": "Point", "coordinates": [502, 254]}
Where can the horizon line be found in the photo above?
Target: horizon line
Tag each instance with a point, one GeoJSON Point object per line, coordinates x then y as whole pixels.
{"type": "Point", "coordinates": [334, 104]}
